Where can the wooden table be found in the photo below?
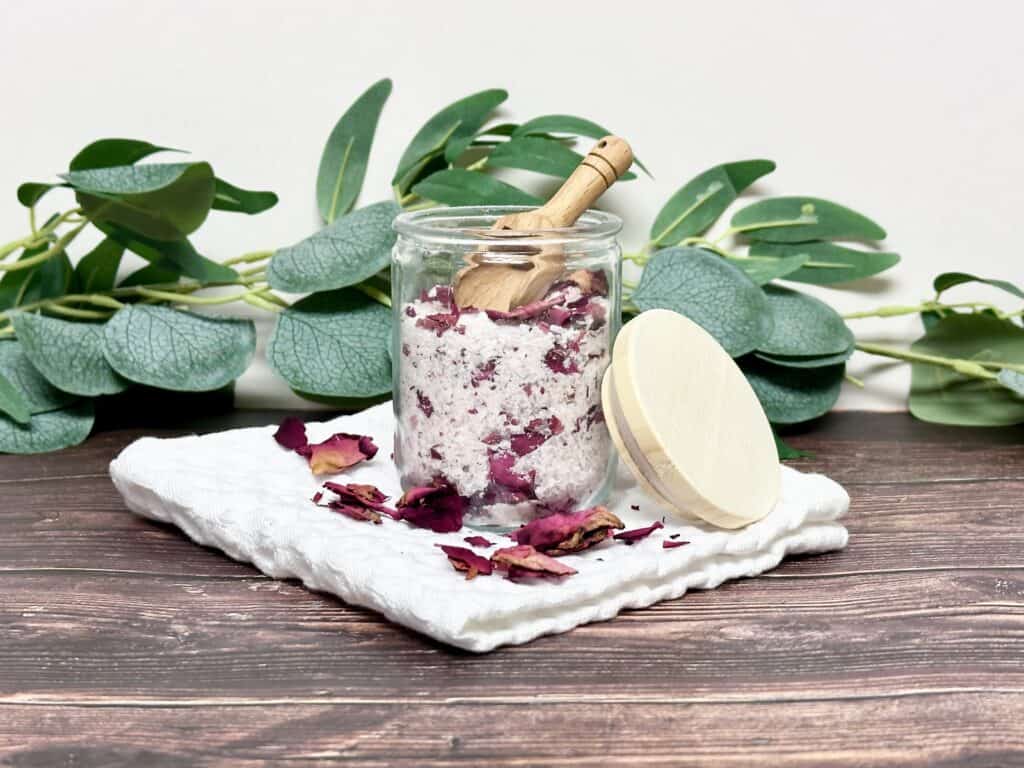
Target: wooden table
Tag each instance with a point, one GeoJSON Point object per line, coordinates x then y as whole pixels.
{"type": "Point", "coordinates": [123, 644]}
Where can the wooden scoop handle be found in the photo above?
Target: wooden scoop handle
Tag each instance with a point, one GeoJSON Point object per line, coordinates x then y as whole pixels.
{"type": "Point", "coordinates": [607, 161]}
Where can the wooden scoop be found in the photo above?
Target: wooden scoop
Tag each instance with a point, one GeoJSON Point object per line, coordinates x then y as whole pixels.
{"type": "Point", "coordinates": [507, 286]}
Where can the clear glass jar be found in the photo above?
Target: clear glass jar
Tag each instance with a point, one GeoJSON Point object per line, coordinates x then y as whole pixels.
{"type": "Point", "coordinates": [504, 406]}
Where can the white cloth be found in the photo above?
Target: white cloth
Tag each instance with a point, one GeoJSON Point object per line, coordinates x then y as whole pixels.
{"type": "Point", "coordinates": [241, 492]}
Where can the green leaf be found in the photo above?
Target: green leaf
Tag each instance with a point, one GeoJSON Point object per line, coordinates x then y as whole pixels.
{"type": "Point", "coordinates": [97, 270]}
{"type": "Point", "coordinates": [456, 123]}
{"type": "Point", "coordinates": [40, 395]}
{"type": "Point", "coordinates": [107, 153]}
{"type": "Point", "coordinates": [333, 344]}
{"type": "Point", "coordinates": [575, 126]}
{"type": "Point", "coordinates": [347, 153]}
{"type": "Point", "coordinates": [947, 280]}
{"type": "Point", "coordinates": [69, 355]}
{"type": "Point", "coordinates": [162, 271]}
{"type": "Point", "coordinates": [942, 395]}
{"type": "Point", "coordinates": [13, 402]}
{"type": "Point", "coordinates": [457, 186]}
{"type": "Point", "coordinates": [228, 197]}
{"type": "Point", "coordinates": [164, 201]}
{"type": "Point", "coordinates": [807, 361]}
{"type": "Point", "coordinates": [173, 258]}
{"type": "Point", "coordinates": [799, 219]}
{"type": "Point", "coordinates": [711, 292]}
{"type": "Point", "coordinates": [695, 207]}
{"type": "Point", "coordinates": [182, 351]}
{"type": "Point", "coordinates": [830, 263]}
{"type": "Point", "coordinates": [31, 192]}
{"type": "Point", "coordinates": [14, 284]}
{"type": "Point", "coordinates": [346, 252]}
{"type": "Point", "coordinates": [786, 451]}
{"type": "Point", "coordinates": [803, 326]}
{"type": "Point", "coordinates": [1012, 380]}
{"type": "Point", "coordinates": [763, 271]}
{"type": "Point", "coordinates": [792, 395]}
{"type": "Point", "coordinates": [48, 431]}
{"type": "Point", "coordinates": [533, 153]}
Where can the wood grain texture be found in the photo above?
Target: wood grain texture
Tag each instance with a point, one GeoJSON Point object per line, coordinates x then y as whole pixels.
{"type": "Point", "coordinates": [123, 644]}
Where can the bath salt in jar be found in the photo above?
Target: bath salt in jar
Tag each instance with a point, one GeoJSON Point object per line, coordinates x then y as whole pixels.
{"type": "Point", "coordinates": [504, 404]}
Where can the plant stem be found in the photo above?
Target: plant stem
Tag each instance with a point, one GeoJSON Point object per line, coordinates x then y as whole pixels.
{"type": "Point", "coordinates": [973, 368]}
{"type": "Point", "coordinates": [83, 314]}
{"type": "Point", "coordinates": [926, 306]}
{"type": "Point", "coordinates": [248, 258]}
{"type": "Point", "coordinates": [56, 249]}
{"type": "Point", "coordinates": [184, 298]}
{"type": "Point", "coordinates": [374, 293]}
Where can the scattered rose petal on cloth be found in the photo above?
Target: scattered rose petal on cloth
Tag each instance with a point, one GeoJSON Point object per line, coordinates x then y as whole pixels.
{"type": "Point", "coordinates": [291, 434]}
{"type": "Point", "coordinates": [523, 563]}
{"type": "Point", "coordinates": [338, 452]}
{"type": "Point", "coordinates": [478, 541]}
{"type": "Point", "coordinates": [360, 502]}
{"type": "Point", "coordinates": [438, 507]}
{"type": "Point", "coordinates": [467, 560]}
{"type": "Point", "coordinates": [673, 544]}
{"type": "Point", "coordinates": [565, 533]}
{"type": "Point", "coordinates": [636, 534]}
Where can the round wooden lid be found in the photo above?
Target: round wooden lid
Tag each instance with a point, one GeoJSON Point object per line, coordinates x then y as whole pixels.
{"type": "Point", "coordinates": [687, 423]}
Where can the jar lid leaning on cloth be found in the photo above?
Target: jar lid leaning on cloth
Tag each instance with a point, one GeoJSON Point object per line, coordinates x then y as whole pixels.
{"type": "Point", "coordinates": [687, 423]}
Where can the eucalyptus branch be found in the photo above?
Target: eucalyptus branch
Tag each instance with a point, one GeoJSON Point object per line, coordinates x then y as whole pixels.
{"type": "Point", "coordinates": [973, 368]}
{"type": "Point", "coordinates": [896, 310]}
{"type": "Point", "coordinates": [55, 250]}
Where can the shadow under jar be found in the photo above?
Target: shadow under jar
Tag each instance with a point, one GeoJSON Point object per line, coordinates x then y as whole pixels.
{"type": "Point", "coordinates": [505, 406]}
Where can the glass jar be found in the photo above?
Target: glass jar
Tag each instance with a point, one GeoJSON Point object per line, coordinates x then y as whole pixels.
{"type": "Point", "coordinates": [504, 405]}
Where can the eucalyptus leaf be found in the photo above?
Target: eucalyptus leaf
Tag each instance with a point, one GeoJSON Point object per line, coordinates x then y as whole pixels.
{"type": "Point", "coordinates": [97, 270]}
{"type": "Point", "coordinates": [800, 219]}
{"type": "Point", "coordinates": [16, 368]}
{"type": "Point", "coordinates": [1012, 380]}
{"type": "Point", "coordinates": [31, 192]}
{"type": "Point", "coordinates": [695, 207]}
{"type": "Point", "coordinates": [457, 122]}
{"type": "Point", "coordinates": [792, 395]}
{"type": "Point", "coordinates": [346, 252]}
{"type": "Point", "coordinates": [69, 355]}
{"type": "Point", "coordinates": [12, 402]}
{"type": "Point", "coordinates": [172, 257]}
{"type": "Point", "coordinates": [942, 395]}
{"type": "Point", "coordinates": [575, 126]}
{"type": "Point", "coordinates": [107, 153]}
{"type": "Point", "coordinates": [803, 326]}
{"type": "Point", "coordinates": [181, 351]}
{"type": "Point", "coordinates": [786, 451]}
{"type": "Point", "coordinates": [347, 153]}
{"type": "Point", "coordinates": [763, 270]}
{"type": "Point", "coordinates": [534, 153]}
{"type": "Point", "coordinates": [48, 431]}
{"type": "Point", "coordinates": [228, 197]}
{"type": "Point", "coordinates": [947, 280]}
{"type": "Point", "coordinates": [54, 277]}
{"type": "Point", "coordinates": [162, 201]}
{"type": "Point", "coordinates": [830, 263]}
{"type": "Point", "coordinates": [711, 292]}
{"type": "Point", "coordinates": [333, 344]}
{"type": "Point", "coordinates": [806, 361]}
{"type": "Point", "coordinates": [15, 283]}
{"type": "Point", "coordinates": [162, 271]}
{"type": "Point", "coordinates": [457, 186]}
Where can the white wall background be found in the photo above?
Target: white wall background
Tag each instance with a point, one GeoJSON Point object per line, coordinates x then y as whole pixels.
{"type": "Point", "coordinates": [912, 112]}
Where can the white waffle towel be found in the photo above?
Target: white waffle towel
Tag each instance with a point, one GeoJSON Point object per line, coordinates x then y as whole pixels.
{"type": "Point", "coordinates": [240, 492]}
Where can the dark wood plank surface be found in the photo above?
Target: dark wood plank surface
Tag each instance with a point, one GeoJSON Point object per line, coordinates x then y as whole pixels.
{"type": "Point", "coordinates": [123, 644]}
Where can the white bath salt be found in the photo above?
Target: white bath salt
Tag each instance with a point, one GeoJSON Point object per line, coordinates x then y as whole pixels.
{"type": "Point", "coordinates": [507, 410]}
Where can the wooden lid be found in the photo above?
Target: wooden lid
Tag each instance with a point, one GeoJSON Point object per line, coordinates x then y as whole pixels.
{"type": "Point", "coordinates": [687, 423]}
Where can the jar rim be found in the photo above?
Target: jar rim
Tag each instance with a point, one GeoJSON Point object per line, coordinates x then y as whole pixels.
{"type": "Point", "coordinates": [467, 226]}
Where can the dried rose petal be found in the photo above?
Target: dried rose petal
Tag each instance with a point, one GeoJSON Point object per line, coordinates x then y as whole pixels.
{"type": "Point", "coordinates": [484, 372]}
{"type": "Point", "coordinates": [438, 507]}
{"type": "Point", "coordinates": [467, 560]}
{"type": "Point", "coordinates": [439, 323]}
{"type": "Point", "coordinates": [424, 404]}
{"type": "Point", "coordinates": [291, 434]}
{"type": "Point", "coordinates": [338, 452]}
{"type": "Point", "coordinates": [478, 541]}
{"type": "Point", "coordinates": [500, 465]}
{"type": "Point", "coordinates": [565, 533]}
{"type": "Point", "coordinates": [560, 360]}
{"type": "Point", "coordinates": [526, 311]}
{"type": "Point", "coordinates": [537, 432]}
{"type": "Point", "coordinates": [636, 534]}
{"type": "Point", "coordinates": [673, 544]}
{"type": "Point", "coordinates": [358, 501]}
{"type": "Point", "coordinates": [524, 562]}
